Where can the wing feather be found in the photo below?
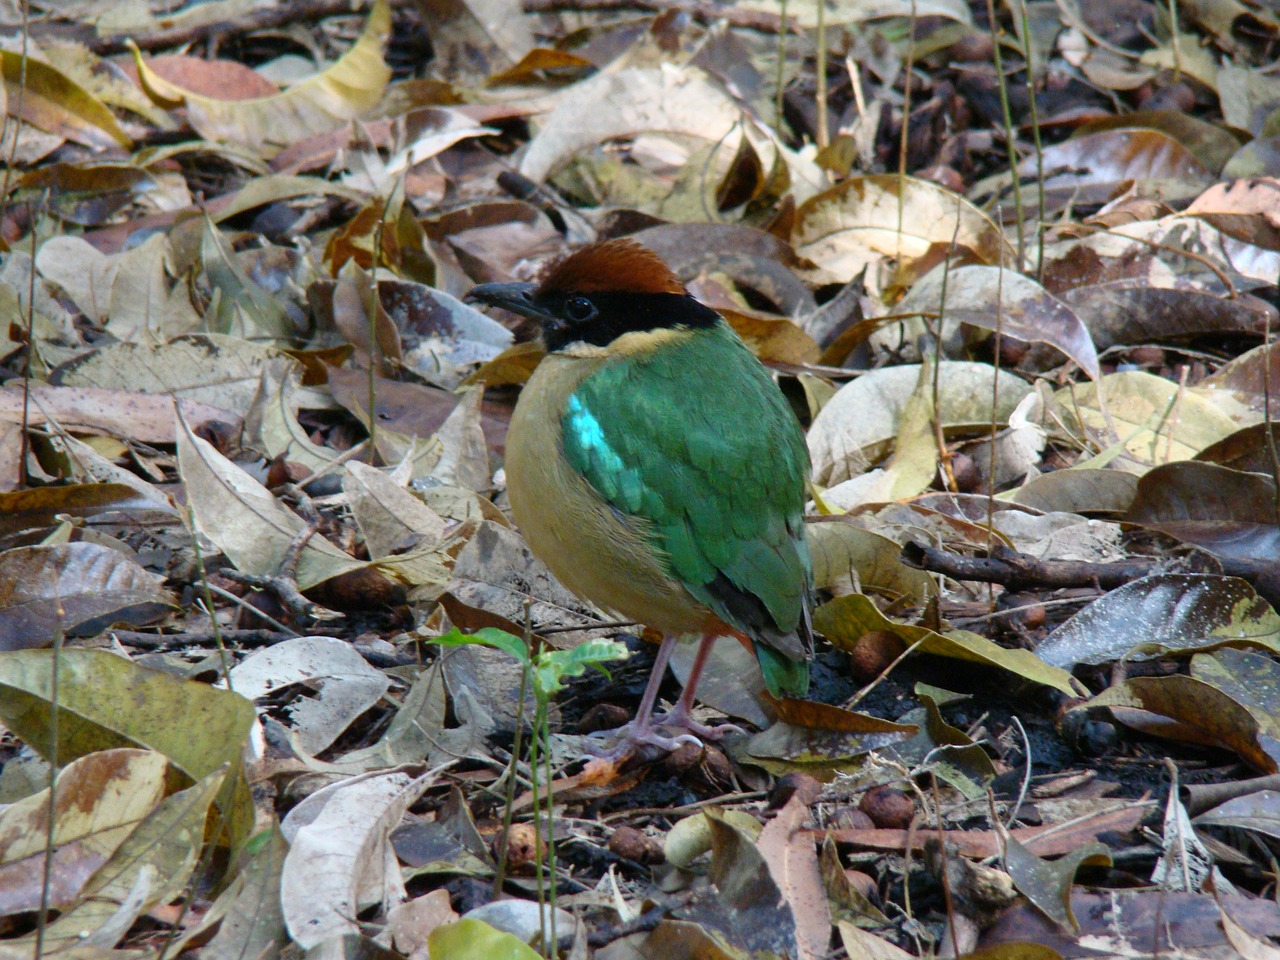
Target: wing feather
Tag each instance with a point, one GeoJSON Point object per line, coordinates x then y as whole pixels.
{"type": "Point", "coordinates": [695, 438]}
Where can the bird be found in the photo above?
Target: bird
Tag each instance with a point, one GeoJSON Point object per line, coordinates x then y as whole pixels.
{"type": "Point", "coordinates": [654, 465]}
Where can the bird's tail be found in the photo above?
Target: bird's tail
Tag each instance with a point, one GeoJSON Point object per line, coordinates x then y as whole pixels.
{"type": "Point", "coordinates": [783, 676]}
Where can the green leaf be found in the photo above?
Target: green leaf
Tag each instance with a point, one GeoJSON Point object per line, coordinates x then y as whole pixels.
{"type": "Point", "coordinates": [476, 940]}
{"type": "Point", "coordinates": [554, 666]}
{"type": "Point", "coordinates": [487, 637]}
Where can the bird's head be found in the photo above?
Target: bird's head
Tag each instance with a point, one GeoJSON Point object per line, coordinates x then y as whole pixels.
{"type": "Point", "coordinates": [599, 293]}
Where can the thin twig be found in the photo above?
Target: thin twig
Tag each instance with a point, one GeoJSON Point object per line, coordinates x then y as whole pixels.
{"type": "Point", "coordinates": [248, 22]}
{"type": "Point", "coordinates": [704, 12]}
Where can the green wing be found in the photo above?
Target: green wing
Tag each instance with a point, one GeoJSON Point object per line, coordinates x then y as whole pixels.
{"type": "Point", "coordinates": [697, 439]}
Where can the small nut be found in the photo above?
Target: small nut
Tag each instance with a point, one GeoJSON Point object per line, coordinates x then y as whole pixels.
{"type": "Point", "coordinates": [977, 45]}
{"type": "Point", "coordinates": [807, 788]}
{"type": "Point", "coordinates": [632, 844]}
{"type": "Point", "coordinates": [1147, 355]}
{"type": "Point", "coordinates": [682, 759]}
{"type": "Point", "coordinates": [864, 883]}
{"type": "Point", "coordinates": [965, 471]}
{"type": "Point", "coordinates": [603, 716]}
{"type": "Point", "coordinates": [888, 807]}
{"type": "Point", "coordinates": [1033, 616]}
{"type": "Point", "coordinates": [522, 847]}
{"type": "Point", "coordinates": [873, 653]}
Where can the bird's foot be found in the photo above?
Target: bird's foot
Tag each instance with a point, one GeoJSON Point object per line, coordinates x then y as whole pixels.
{"type": "Point", "coordinates": [651, 734]}
{"type": "Point", "coordinates": [679, 718]}
{"type": "Point", "coordinates": [635, 736]}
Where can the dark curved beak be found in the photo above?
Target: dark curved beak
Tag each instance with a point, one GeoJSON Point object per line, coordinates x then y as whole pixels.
{"type": "Point", "coordinates": [516, 297]}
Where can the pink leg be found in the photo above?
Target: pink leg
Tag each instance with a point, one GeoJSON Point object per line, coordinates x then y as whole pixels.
{"type": "Point", "coordinates": [640, 731]}
{"type": "Point", "coordinates": [681, 715]}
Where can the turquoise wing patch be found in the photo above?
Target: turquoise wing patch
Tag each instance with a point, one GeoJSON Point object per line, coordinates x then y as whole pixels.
{"type": "Point", "coordinates": [695, 438]}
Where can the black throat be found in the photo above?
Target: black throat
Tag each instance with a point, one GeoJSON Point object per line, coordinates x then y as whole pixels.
{"type": "Point", "coordinates": [619, 313]}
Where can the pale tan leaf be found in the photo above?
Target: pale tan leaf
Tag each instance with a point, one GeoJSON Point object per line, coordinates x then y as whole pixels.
{"type": "Point", "coordinates": [338, 840]}
{"type": "Point", "coordinates": [868, 219]}
{"type": "Point", "coordinates": [857, 427]}
{"type": "Point", "coordinates": [389, 516]}
{"type": "Point", "coordinates": [206, 368]}
{"type": "Point", "coordinates": [792, 859]}
{"type": "Point", "coordinates": [336, 686]}
{"type": "Point", "coordinates": [245, 521]}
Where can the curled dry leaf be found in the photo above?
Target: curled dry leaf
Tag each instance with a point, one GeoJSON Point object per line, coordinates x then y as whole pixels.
{"type": "Point", "coordinates": [624, 103]}
{"type": "Point", "coordinates": [121, 413]}
{"type": "Point", "coordinates": [1082, 490]}
{"type": "Point", "coordinates": [41, 506]}
{"type": "Point", "coordinates": [805, 12]}
{"type": "Point", "coordinates": [793, 863]}
{"type": "Point", "coordinates": [1247, 450]}
{"type": "Point", "coordinates": [748, 910]}
{"type": "Point", "coordinates": [1247, 381]}
{"type": "Point", "coordinates": [99, 801]}
{"type": "Point", "coordinates": [820, 739]}
{"type": "Point", "coordinates": [345, 91]}
{"type": "Point", "coordinates": [663, 100]}
{"type": "Point", "coordinates": [152, 867]}
{"type": "Point", "coordinates": [854, 430]}
{"type": "Point", "coordinates": [750, 257]}
{"type": "Point", "coordinates": [53, 102]}
{"type": "Point", "coordinates": [117, 703]}
{"type": "Point", "coordinates": [338, 843]}
{"type": "Point", "coordinates": [1211, 144]}
{"type": "Point", "coordinates": [866, 220]}
{"type": "Point", "coordinates": [1096, 163]}
{"type": "Point", "coordinates": [271, 424]}
{"type": "Point", "coordinates": [848, 557]}
{"type": "Point", "coordinates": [337, 686]}
{"type": "Point", "coordinates": [390, 517]}
{"type": "Point", "coordinates": [1250, 678]}
{"type": "Point", "coordinates": [845, 619]}
{"type": "Point", "coordinates": [246, 915]}
{"type": "Point", "coordinates": [245, 521]}
{"type": "Point", "coordinates": [1126, 312]}
{"type": "Point", "coordinates": [993, 298]}
{"type": "Point", "coordinates": [1048, 883]}
{"type": "Point", "coordinates": [1202, 713]}
{"type": "Point", "coordinates": [1156, 420]}
{"type": "Point", "coordinates": [207, 368]}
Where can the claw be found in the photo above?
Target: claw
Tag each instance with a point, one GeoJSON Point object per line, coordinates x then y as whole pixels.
{"type": "Point", "coordinates": [680, 718]}
{"type": "Point", "coordinates": [637, 733]}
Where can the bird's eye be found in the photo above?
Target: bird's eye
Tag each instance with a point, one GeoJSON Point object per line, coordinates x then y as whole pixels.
{"type": "Point", "coordinates": [579, 309]}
